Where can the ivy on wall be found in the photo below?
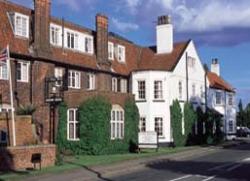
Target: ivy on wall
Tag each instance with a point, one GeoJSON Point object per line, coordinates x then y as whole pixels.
{"type": "Point", "coordinates": [94, 119]}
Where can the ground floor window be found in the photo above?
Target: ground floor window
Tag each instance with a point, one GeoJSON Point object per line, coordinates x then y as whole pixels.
{"type": "Point", "coordinates": [230, 126]}
{"type": "Point", "coordinates": [117, 122]}
{"type": "Point", "coordinates": [142, 124]}
{"type": "Point", "coordinates": [159, 126]}
{"type": "Point", "coordinates": [73, 125]}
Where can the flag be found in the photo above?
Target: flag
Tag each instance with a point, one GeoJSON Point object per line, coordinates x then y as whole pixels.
{"type": "Point", "coordinates": [4, 56]}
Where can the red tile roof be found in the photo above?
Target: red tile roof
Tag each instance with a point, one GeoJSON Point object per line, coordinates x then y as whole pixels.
{"type": "Point", "coordinates": [137, 58]}
{"type": "Point", "coordinates": [218, 83]}
{"type": "Point", "coordinates": [152, 61]}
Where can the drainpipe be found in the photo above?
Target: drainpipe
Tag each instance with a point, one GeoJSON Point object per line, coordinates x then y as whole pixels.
{"type": "Point", "coordinates": [225, 115]}
{"type": "Point", "coordinates": [187, 77]}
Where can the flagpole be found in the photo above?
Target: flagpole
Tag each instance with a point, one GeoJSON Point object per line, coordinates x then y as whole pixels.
{"type": "Point", "coordinates": [11, 98]}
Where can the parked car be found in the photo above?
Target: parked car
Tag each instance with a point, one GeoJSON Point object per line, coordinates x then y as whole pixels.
{"type": "Point", "coordinates": [243, 132]}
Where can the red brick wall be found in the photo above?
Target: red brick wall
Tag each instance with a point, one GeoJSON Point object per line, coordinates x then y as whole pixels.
{"type": "Point", "coordinates": [13, 158]}
{"type": "Point", "coordinates": [25, 133]}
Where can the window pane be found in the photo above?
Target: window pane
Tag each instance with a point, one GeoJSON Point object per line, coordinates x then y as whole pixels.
{"type": "Point", "coordinates": [71, 130]}
{"type": "Point", "coordinates": [77, 131]}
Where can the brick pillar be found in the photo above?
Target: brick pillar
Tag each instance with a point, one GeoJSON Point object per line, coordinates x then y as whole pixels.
{"type": "Point", "coordinates": [102, 42]}
{"type": "Point", "coordinates": [42, 22]}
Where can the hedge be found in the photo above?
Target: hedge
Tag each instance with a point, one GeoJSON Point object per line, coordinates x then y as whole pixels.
{"type": "Point", "coordinates": [94, 119]}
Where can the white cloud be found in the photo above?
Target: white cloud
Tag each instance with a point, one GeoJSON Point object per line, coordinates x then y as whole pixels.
{"type": "Point", "coordinates": [124, 26]}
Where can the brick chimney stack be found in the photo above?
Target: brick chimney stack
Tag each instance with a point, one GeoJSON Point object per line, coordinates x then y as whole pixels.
{"type": "Point", "coordinates": [102, 41]}
{"type": "Point", "coordinates": [42, 23]}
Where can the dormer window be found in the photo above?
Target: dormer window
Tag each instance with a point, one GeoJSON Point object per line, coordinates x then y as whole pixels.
{"type": "Point", "coordinates": [121, 53]}
{"type": "Point", "coordinates": [88, 44]}
{"type": "Point", "coordinates": [111, 50]}
{"type": "Point", "coordinates": [72, 40]}
{"type": "Point", "coordinates": [20, 24]}
{"type": "Point", "coordinates": [55, 37]}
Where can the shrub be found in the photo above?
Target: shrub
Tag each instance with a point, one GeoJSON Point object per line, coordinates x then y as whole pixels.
{"type": "Point", "coordinates": [25, 110]}
{"type": "Point", "coordinates": [176, 123]}
{"type": "Point", "coordinates": [94, 118]}
{"type": "Point", "coordinates": [189, 119]}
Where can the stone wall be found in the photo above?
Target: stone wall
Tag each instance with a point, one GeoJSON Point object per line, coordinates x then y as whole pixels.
{"type": "Point", "coordinates": [14, 158]}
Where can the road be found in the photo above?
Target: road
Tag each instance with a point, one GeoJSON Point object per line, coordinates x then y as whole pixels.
{"type": "Point", "coordinates": [225, 164]}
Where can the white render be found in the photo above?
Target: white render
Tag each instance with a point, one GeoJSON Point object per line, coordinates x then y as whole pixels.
{"type": "Point", "coordinates": [150, 108]}
{"type": "Point", "coordinates": [215, 68]}
{"type": "Point", "coordinates": [228, 111]}
{"type": "Point", "coordinates": [164, 38]}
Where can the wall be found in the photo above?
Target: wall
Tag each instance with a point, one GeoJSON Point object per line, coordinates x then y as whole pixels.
{"type": "Point", "coordinates": [151, 108]}
{"type": "Point", "coordinates": [13, 158]}
{"type": "Point", "coordinates": [25, 134]}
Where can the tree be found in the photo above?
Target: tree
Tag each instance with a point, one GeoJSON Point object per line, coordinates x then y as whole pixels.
{"type": "Point", "coordinates": [241, 115]}
{"type": "Point", "coordinates": [189, 118]}
{"type": "Point", "coordinates": [246, 116]}
{"type": "Point", "coordinates": [176, 123]}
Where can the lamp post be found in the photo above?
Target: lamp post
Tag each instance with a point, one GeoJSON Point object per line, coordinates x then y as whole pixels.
{"type": "Point", "coordinates": [53, 96]}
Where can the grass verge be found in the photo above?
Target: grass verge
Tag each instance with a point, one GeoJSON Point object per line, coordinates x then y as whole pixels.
{"type": "Point", "coordinates": [75, 162]}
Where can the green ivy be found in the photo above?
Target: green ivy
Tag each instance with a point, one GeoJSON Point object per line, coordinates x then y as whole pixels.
{"type": "Point", "coordinates": [94, 119]}
{"type": "Point", "coordinates": [176, 123]}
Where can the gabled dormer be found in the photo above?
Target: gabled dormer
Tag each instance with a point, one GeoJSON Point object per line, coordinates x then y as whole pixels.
{"type": "Point", "coordinates": [19, 24]}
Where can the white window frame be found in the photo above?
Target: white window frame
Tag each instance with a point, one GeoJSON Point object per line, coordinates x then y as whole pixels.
{"type": "Point", "coordinates": [114, 84]}
{"type": "Point", "coordinates": [74, 122]}
{"type": "Point", "coordinates": [141, 92]}
{"type": "Point", "coordinates": [56, 38]}
{"type": "Point", "coordinates": [230, 126]}
{"type": "Point", "coordinates": [142, 124]}
{"type": "Point", "coordinates": [230, 100]}
{"type": "Point", "coordinates": [91, 81]}
{"type": "Point", "coordinates": [58, 73]}
{"type": "Point", "coordinates": [124, 85]}
{"type": "Point", "coordinates": [121, 53]}
{"type": "Point", "coordinates": [191, 61]}
{"type": "Point", "coordinates": [117, 122]}
{"type": "Point", "coordinates": [216, 100]}
{"type": "Point", "coordinates": [180, 89]}
{"type": "Point", "coordinates": [88, 44]}
{"type": "Point", "coordinates": [202, 92]}
{"type": "Point", "coordinates": [159, 126]}
{"type": "Point", "coordinates": [69, 35]}
{"type": "Point", "coordinates": [21, 32]}
{"type": "Point", "coordinates": [3, 71]}
{"type": "Point", "coordinates": [158, 90]}
{"type": "Point", "coordinates": [111, 51]}
{"type": "Point", "coordinates": [24, 75]}
{"type": "Point", "coordinates": [74, 77]}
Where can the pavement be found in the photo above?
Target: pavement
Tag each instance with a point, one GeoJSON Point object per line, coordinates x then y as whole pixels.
{"type": "Point", "coordinates": [192, 164]}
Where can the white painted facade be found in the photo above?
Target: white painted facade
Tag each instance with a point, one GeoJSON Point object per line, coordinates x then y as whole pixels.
{"type": "Point", "coordinates": [151, 108]}
{"type": "Point", "coordinates": [227, 108]}
{"type": "Point", "coordinates": [164, 45]}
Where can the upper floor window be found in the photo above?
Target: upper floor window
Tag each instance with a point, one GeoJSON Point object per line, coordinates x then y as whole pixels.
{"type": "Point", "coordinates": [73, 127]}
{"type": "Point", "coordinates": [121, 53]}
{"type": "Point", "coordinates": [59, 76]}
{"type": "Point", "coordinates": [218, 98]}
{"type": "Point", "coordinates": [123, 85]}
{"type": "Point", "coordinates": [72, 40]}
{"type": "Point", "coordinates": [230, 126]}
{"type": "Point", "coordinates": [55, 35]}
{"type": "Point", "coordinates": [141, 90]}
{"type": "Point", "coordinates": [114, 84]}
{"type": "Point", "coordinates": [191, 61]}
{"type": "Point", "coordinates": [3, 71]}
{"type": "Point", "coordinates": [159, 126]}
{"type": "Point", "coordinates": [180, 90]}
{"type": "Point", "coordinates": [158, 90]}
{"type": "Point", "coordinates": [230, 99]}
{"type": "Point", "coordinates": [88, 44]}
{"type": "Point", "coordinates": [74, 79]}
{"type": "Point", "coordinates": [193, 90]}
{"type": "Point", "coordinates": [20, 24]}
{"type": "Point", "coordinates": [22, 71]}
{"type": "Point", "coordinates": [202, 92]}
{"type": "Point", "coordinates": [3, 137]}
{"type": "Point", "coordinates": [90, 81]}
{"type": "Point", "coordinates": [142, 124]}
{"type": "Point", "coordinates": [111, 50]}
{"type": "Point", "coordinates": [117, 122]}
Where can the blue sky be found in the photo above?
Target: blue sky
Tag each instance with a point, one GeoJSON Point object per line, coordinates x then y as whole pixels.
{"type": "Point", "coordinates": [220, 28]}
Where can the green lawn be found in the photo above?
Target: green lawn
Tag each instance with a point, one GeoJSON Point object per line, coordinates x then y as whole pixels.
{"type": "Point", "coordinates": [74, 162]}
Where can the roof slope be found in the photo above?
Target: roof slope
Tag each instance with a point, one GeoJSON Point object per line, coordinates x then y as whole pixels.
{"type": "Point", "coordinates": [150, 60]}
{"type": "Point", "coordinates": [218, 82]}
